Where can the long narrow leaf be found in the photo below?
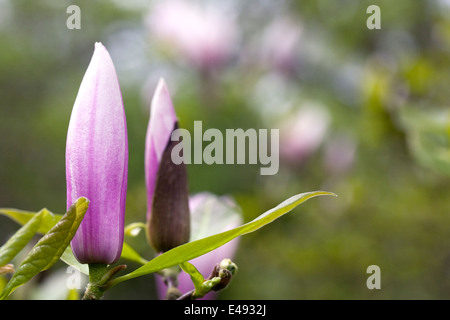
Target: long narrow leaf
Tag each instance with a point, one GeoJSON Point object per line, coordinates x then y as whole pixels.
{"type": "Point", "coordinates": [48, 219]}
{"type": "Point", "coordinates": [197, 248]}
{"type": "Point", "coordinates": [20, 239]}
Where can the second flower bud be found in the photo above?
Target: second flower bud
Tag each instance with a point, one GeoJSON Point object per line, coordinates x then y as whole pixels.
{"type": "Point", "coordinates": [168, 217]}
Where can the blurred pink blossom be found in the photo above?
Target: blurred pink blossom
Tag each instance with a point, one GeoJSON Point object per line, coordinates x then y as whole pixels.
{"type": "Point", "coordinates": [201, 34]}
{"type": "Point", "coordinates": [280, 44]}
{"type": "Point", "coordinates": [303, 133]}
{"type": "Point", "coordinates": [340, 152]}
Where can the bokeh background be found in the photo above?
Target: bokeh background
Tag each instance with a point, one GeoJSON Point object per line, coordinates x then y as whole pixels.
{"type": "Point", "coordinates": [362, 113]}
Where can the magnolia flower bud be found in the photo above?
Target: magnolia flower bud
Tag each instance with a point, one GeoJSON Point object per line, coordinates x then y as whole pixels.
{"type": "Point", "coordinates": [167, 193]}
{"type": "Point", "coordinates": [97, 161]}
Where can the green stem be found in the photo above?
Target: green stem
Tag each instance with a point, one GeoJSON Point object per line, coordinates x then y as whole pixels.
{"type": "Point", "coordinates": [94, 290]}
{"type": "Point", "coordinates": [97, 271]}
{"type": "Point", "coordinates": [170, 277]}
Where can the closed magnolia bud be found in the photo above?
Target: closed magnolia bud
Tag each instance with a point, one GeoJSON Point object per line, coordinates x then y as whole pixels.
{"type": "Point", "coordinates": [168, 217]}
{"type": "Point", "coordinates": [97, 162]}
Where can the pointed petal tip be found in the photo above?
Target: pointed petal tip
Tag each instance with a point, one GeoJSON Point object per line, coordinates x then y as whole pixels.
{"type": "Point", "coordinates": [162, 82]}
{"type": "Point", "coordinates": [162, 103]}
{"type": "Point", "coordinates": [162, 90]}
{"type": "Point", "coordinates": [100, 48]}
{"type": "Point", "coordinates": [98, 44]}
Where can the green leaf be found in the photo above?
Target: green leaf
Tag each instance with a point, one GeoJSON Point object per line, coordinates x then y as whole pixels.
{"type": "Point", "coordinates": [20, 239]}
{"type": "Point", "coordinates": [196, 277]}
{"type": "Point", "coordinates": [69, 258]}
{"type": "Point", "coordinates": [130, 254]}
{"type": "Point", "coordinates": [2, 283]}
{"type": "Point", "coordinates": [48, 219]}
{"type": "Point", "coordinates": [134, 229]}
{"type": "Point", "coordinates": [49, 248]}
{"type": "Point", "coordinates": [201, 286]}
{"type": "Point", "coordinates": [428, 136]}
{"type": "Point", "coordinates": [197, 248]}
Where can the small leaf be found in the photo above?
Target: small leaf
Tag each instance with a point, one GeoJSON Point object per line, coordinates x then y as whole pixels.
{"type": "Point", "coordinates": [134, 229]}
{"type": "Point", "coordinates": [197, 248]}
{"type": "Point", "coordinates": [20, 239]}
{"type": "Point", "coordinates": [201, 286]}
{"type": "Point", "coordinates": [196, 277]}
{"type": "Point", "coordinates": [49, 248]}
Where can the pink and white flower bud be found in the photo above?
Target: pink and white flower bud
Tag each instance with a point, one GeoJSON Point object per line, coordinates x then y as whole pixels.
{"type": "Point", "coordinates": [97, 161]}
{"type": "Point", "coordinates": [168, 218]}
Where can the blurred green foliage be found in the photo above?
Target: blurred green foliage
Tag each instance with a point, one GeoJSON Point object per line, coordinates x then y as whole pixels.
{"type": "Point", "coordinates": [383, 91]}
